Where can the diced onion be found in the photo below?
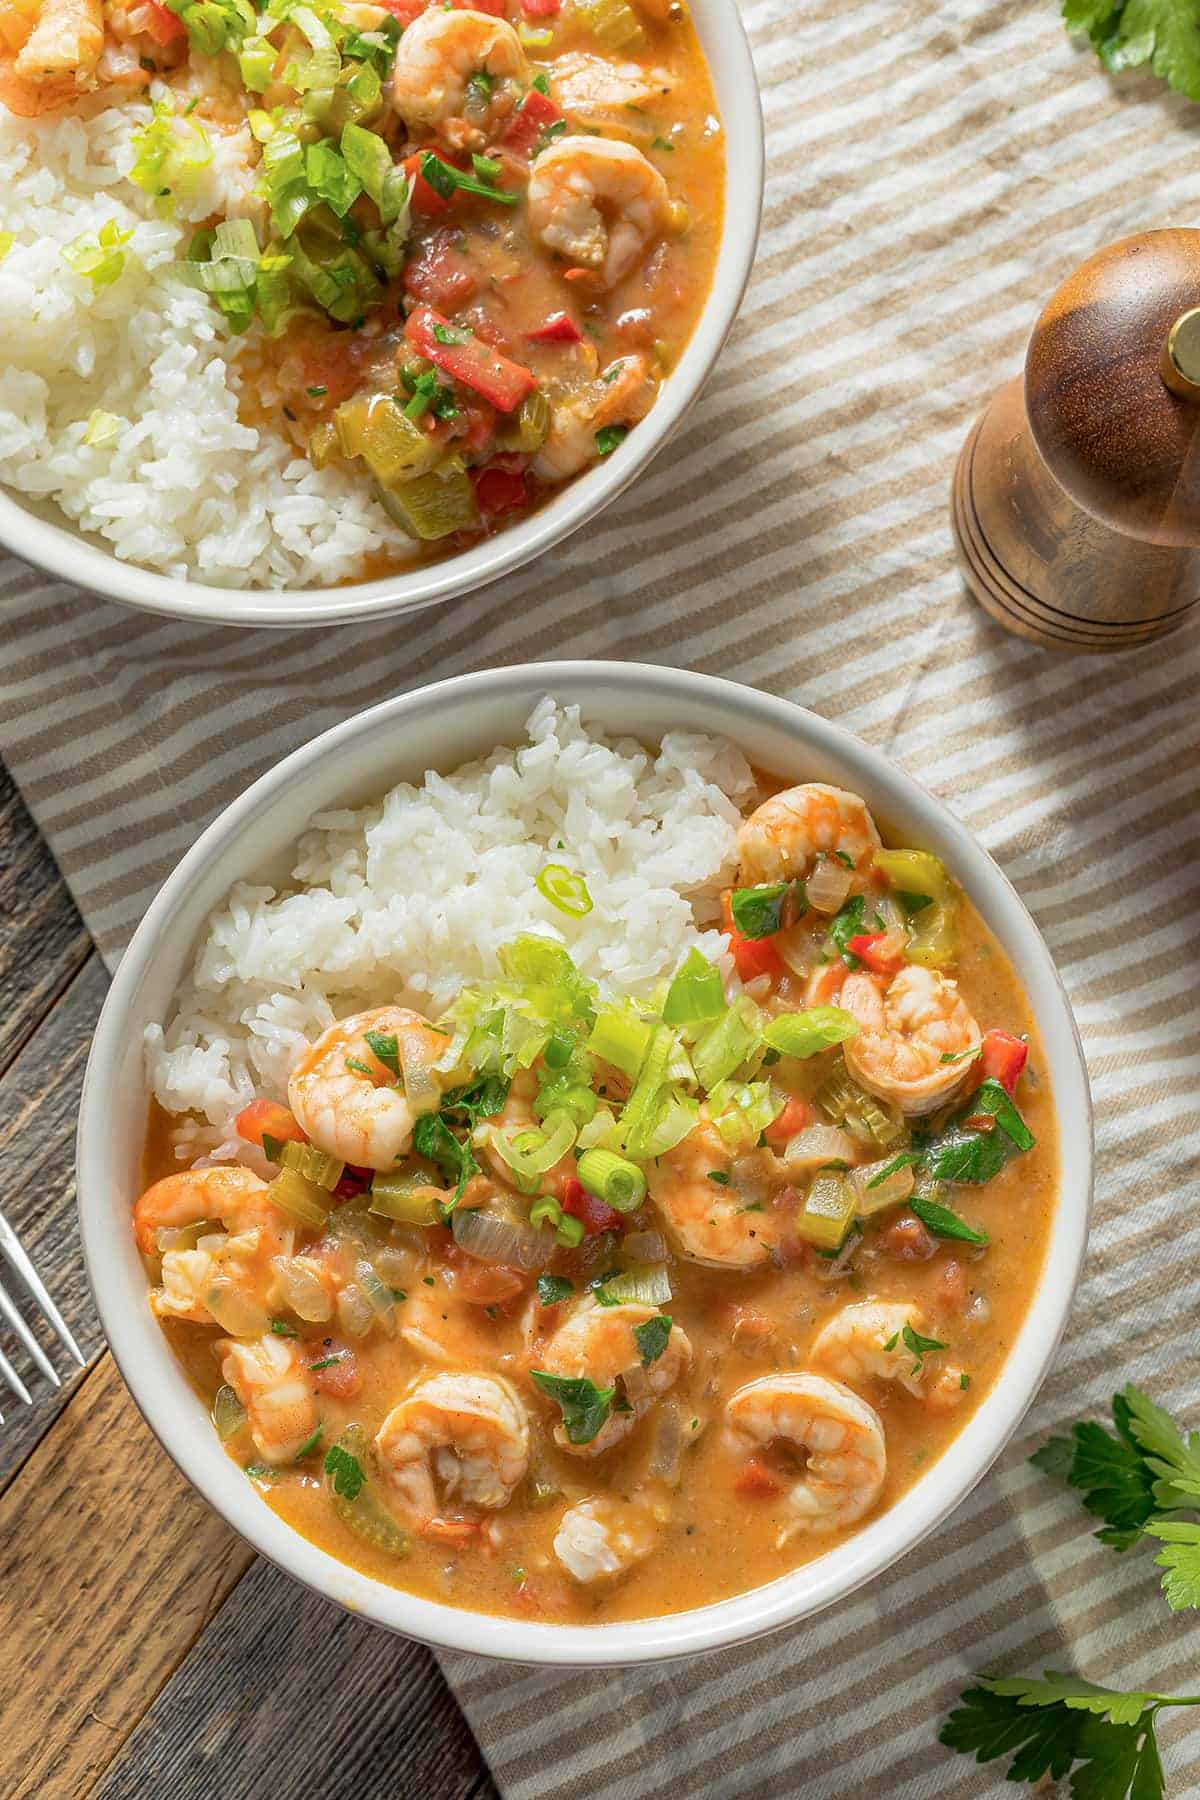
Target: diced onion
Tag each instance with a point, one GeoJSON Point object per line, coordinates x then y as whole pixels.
{"type": "Point", "coordinates": [645, 1247]}
{"type": "Point", "coordinates": [378, 1294]}
{"type": "Point", "coordinates": [828, 885]}
{"type": "Point", "coordinates": [667, 1444]}
{"type": "Point", "coordinates": [491, 1239]}
{"type": "Point", "coordinates": [641, 1287]}
{"type": "Point", "coordinates": [889, 1192]}
{"type": "Point", "coordinates": [356, 1315]}
{"type": "Point", "coordinates": [417, 1067]}
{"type": "Point", "coordinates": [234, 1311]}
{"type": "Point", "coordinates": [818, 1144]}
{"type": "Point", "coordinates": [302, 1289]}
{"type": "Point", "coordinates": [228, 1413]}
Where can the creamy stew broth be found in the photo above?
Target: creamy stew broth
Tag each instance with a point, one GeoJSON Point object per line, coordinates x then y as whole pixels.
{"type": "Point", "coordinates": [818, 1191]}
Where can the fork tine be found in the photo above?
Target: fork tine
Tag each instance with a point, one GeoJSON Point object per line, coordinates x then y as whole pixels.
{"type": "Point", "coordinates": [29, 1275]}
{"type": "Point", "coordinates": [14, 1380]}
{"type": "Point", "coordinates": [37, 1354]}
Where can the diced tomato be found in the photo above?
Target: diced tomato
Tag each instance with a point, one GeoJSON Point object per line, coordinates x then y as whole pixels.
{"type": "Point", "coordinates": [754, 1478]}
{"type": "Point", "coordinates": [340, 1379]}
{"type": "Point", "coordinates": [541, 9]}
{"type": "Point", "coordinates": [595, 1215]}
{"type": "Point", "coordinates": [751, 956]}
{"type": "Point", "coordinates": [162, 24]}
{"type": "Point", "coordinates": [794, 1117]}
{"type": "Point", "coordinates": [480, 1283]}
{"type": "Point", "coordinates": [353, 1182]}
{"type": "Point", "coordinates": [502, 382]}
{"type": "Point", "coordinates": [269, 1117]}
{"type": "Point", "coordinates": [439, 273]}
{"type": "Point", "coordinates": [498, 491]}
{"type": "Point", "coordinates": [536, 112]}
{"type": "Point", "coordinates": [560, 328]}
{"type": "Point", "coordinates": [876, 950]}
{"type": "Point", "coordinates": [906, 1240]}
{"type": "Point", "coordinates": [1002, 1058]}
{"type": "Point", "coordinates": [426, 202]}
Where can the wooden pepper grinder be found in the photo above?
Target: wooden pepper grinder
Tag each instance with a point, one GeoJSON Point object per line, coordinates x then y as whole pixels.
{"type": "Point", "coordinates": [1076, 502]}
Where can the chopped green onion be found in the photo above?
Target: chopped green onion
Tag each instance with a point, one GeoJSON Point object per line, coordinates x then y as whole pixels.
{"type": "Point", "coordinates": [256, 63]}
{"type": "Point", "coordinates": [741, 1111]}
{"type": "Point", "coordinates": [569, 1231]}
{"type": "Point", "coordinates": [565, 890]}
{"type": "Point", "coordinates": [620, 1038]}
{"type": "Point", "coordinates": [171, 153]}
{"type": "Point", "coordinates": [7, 240]}
{"type": "Point", "coordinates": [321, 68]}
{"type": "Point", "coordinates": [807, 1033]}
{"type": "Point", "coordinates": [641, 1287]}
{"type": "Point", "coordinates": [725, 1045]}
{"type": "Point", "coordinates": [103, 428]}
{"type": "Point", "coordinates": [641, 1111]}
{"type": "Point", "coordinates": [368, 159]}
{"type": "Point", "coordinates": [99, 260]}
{"type": "Point", "coordinates": [613, 1179]}
{"type": "Point", "coordinates": [486, 167]}
{"type": "Point", "coordinates": [531, 1154]}
{"type": "Point", "coordinates": [695, 993]}
{"type": "Point", "coordinates": [328, 176]}
{"type": "Point", "coordinates": [546, 1211]}
{"type": "Point", "coordinates": [215, 25]}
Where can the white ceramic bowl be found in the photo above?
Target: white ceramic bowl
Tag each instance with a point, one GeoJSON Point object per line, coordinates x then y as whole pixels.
{"type": "Point", "coordinates": [441, 726]}
{"type": "Point", "coordinates": [41, 535]}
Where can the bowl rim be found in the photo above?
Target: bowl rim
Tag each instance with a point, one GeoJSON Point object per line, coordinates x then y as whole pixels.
{"type": "Point", "coordinates": [792, 1596]}
{"type": "Point", "coordinates": [54, 546]}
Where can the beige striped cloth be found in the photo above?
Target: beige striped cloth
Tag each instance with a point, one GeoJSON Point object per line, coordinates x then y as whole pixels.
{"type": "Point", "coordinates": [933, 171]}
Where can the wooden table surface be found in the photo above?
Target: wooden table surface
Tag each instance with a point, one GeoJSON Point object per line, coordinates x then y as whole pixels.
{"type": "Point", "coordinates": [145, 1650]}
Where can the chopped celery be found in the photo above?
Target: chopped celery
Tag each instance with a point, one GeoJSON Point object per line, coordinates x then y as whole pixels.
{"type": "Point", "coordinates": [374, 427]}
{"type": "Point", "coordinates": [676, 1119]}
{"type": "Point", "coordinates": [828, 1212]}
{"type": "Point", "coordinates": [562, 1094]}
{"type": "Point", "coordinates": [641, 1111]}
{"type": "Point", "coordinates": [613, 23]}
{"type": "Point", "coordinates": [619, 1037]}
{"type": "Point", "coordinates": [408, 1199]}
{"type": "Point", "coordinates": [861, 1113]}
{"type": "Point", "coordinates": [916, 875]}
{"type": "Point", "coordinates": [883, 1184]}
{"type": "Point", "coordinates": [228, 1413]}
{"type": "Point", "coordinates": [326, 1171]}
{"type": "Point", "coordinates": [433, 505]}
{"type": "Point", "coordinates": [526, 429]}
{"type": "Point", "coordinates": [613, 1179]}
{"type": "Point", "coordinates": [915, 872]}
{"type": "Point", "coordinates": [806, 1033]}
{"type": "Point", "coordinates": [299, 1198]}
{"type": "Point", "coordinates": [726, 1044]}
{"type": "Point", "coordinates": [696, 992]}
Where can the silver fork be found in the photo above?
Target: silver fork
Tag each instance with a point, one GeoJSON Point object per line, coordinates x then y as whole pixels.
{"type": "Point", "coordinates": [11, 1248]}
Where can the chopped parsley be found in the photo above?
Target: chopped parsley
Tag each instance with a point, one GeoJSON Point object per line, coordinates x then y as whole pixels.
{"type": "Point", "coordinates": [360, 1068]}
{"type": "Point", "coordinates": [309, 1443]}
{"type": "Point", "coordinates": [920, 1346]}
{"type": "Point", "coordinates": [651, 1338]}
{"type": "Point", "coordinates": [316, 393]}
{"type": "Point", "coordinates": [761, 911]}
{"type": "Point", "coordinates": [385, 1046]}
{"type": "Point", "coordinates": [281, 1328]}
{"type": "Point", "coordinates": [345, 1472]}
{"type": "Point", "coordinates": [272, 1147]}
{"type": "Point", "coordinates": [608, 437]}
{"type": "Point", "coordinates": [719, 1176]}
{"type": "Point", "coordinates": [940, 1222]}
{"type": "Point", "coordinates": [551, 1289]}
{"type": "Point", "coordinates": [585, 1407]}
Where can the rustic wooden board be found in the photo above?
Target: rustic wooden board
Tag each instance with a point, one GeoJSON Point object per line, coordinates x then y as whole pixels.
{"type": "Point", "coordinates": [148, 1661]}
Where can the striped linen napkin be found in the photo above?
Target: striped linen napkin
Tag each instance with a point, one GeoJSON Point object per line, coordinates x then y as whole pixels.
{"type": "Point", "coordinates": [933, 171]}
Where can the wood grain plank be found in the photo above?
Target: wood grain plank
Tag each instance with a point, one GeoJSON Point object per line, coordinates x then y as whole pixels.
{"type": "Point", "coordinates": [39, 1101]}
{"type": "Point", "coordinates": [120, 1567]}
{"type": "Point", "coordinates": [286, 1694]}
{"type": "Point", "coordinates": [43, 940]}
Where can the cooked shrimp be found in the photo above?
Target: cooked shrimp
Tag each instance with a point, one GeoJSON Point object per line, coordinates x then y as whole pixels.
{"type": "Point", "coordinates": [598, 94]}
{"type": "Point", "coordinates": [601, 1537]}
{"type": "Point", "coordinates": [228, 1279]}
{"type": "Point", "coordinates": [599, 1342]}
{"type": "Point", "coordinates": [346, 1099]}
{"type": "Point", "coordinates": [271, 1381]}
{"type": "Point", "coordinates": [907, 1028]}
{"type": "Point", "coordinates": [598, 202]}
{"type": "Point", "coordinates": [622, 394]}
{"type": "Point", "coordinates": [782, 839]}
{"type": "Point", "coordinates": [711, 1219]}
{"type": "Point", "coordinates": [865, 1342]}
{"type": "Point", "coordinates": [465, 1434]}
{"type": "Point", "coordinates": [436, 78]}
{"type": "Point", "coordinates": [841, 1434]}
{"type": "Point", "coordinates": [54, 51]}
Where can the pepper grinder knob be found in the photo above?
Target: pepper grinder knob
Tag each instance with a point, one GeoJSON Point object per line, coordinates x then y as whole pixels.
{"type": "Point", "coordinates": [1076, 504]}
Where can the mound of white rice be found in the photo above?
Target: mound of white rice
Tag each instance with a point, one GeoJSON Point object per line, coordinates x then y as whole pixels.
{"type": "Point", "coordinates": [182, 486]}
{"type": "Point", "coordinates": [408, 900]}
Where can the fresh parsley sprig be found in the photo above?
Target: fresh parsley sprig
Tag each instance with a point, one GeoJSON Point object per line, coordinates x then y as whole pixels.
{"type": "Point", "coordinates": [1061, 1723]}
{"type": "Point", "coordinates": [1127, 34]}
{"type": "Point", "coordinates": [1130, 1477]}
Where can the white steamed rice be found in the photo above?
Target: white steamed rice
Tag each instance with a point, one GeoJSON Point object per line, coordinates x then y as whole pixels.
{"type": "Point", "coordinates": [184, 487]}
{"type": "Point", "coordinates": [409, 899]}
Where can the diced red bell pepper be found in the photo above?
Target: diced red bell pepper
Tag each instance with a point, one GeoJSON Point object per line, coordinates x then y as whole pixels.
{"type": "Point", "coordinates": [341, 1376]}
{"type": "Point", "coordinates": [270, 1117]}
{"type": "Point", "coordinates": [751, 956]}
{"type": "Point", "coordinates": [502, 382]}
{"type": "Point", "coordinates": [560, 328]}
{"type": "Point", "coordinates": [588, 1208]}
{"type": "Point", "coordinates": [1002, 1058]}
{"type": "Point", "coordinates": [439, 273]}
{"type": "Point", "coordinates": [794, 1117]}
{"type": "Point", "coordinates": [876, 951]}
{"type": "Point", "coordinates": [754, 1478]}
{"type": "Point", "coordinates": [163, 25]}
{"type": "Point", "coordinates": [541, 9]}
{"type": "Point", "coordinates": [535, 113]}
{"type": "Point", "coordinates": [499, 491]}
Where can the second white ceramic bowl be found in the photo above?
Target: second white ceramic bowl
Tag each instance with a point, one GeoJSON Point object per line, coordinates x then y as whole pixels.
{"type": "Point", "coordinates": [41, 535]}
{"type": "Point", "coordinates": [439, 727]}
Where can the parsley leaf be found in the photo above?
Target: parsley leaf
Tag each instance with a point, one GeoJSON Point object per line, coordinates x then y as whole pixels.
{"type": "Point", "coordinates": [1126, 1476]}
{"type": "Point", "coordinates": [553, 1288]}
{"type": "Point", "coordinates": [383, 1044]}
{"type": "Point", "coordinates": [964, 1153]}
{"type": "Point", "coordinates": [1180, 1559]}
{"type": "Point", "coordinates": [942, 1223]}
{"type": "Point", "coordinates": [433, 1138]}
{"type": "Point", "coordinates": [919, 1346]}
{"type": "Point", "coordinates": [345, 1471]}
{"type": "Point", "coordinates": [1063, 1722]}
{"type": "Point", "coordinates": [849, 921]}
{"type": "Point", "coordinates": [272, 1147]}
{"type": "Point", "coordinates": [651, 1338]}
{"type": "Point", "coordinates": [585, 1407]}
{"type": "Point", "coordinates": [1128, 33]}
{"type": "Point", "coordinates": [761, 911]}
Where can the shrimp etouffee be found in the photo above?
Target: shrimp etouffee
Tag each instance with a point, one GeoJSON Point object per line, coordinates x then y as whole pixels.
{"type": "Point", "coordinates": [469, 242]}
{"type": "Point", "coordinates": [574, 1309]}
